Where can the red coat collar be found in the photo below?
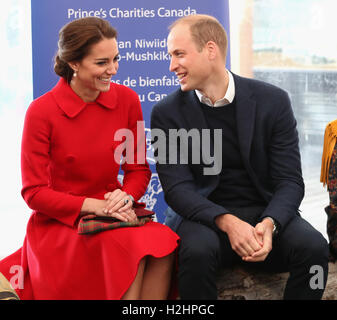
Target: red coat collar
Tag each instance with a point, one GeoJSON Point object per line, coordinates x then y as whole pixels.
{"type": "Point", "coordinates": [72, 104]}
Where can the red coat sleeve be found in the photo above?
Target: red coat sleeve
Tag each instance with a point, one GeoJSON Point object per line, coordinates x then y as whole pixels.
{"type": "Point", "coordinates": [35, 157]}
{"type": "Point", "coordinates": [137, 173]}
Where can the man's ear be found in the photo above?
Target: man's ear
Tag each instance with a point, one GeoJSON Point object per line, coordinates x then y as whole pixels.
{"type": "Point", "coordinates": [212, 49]}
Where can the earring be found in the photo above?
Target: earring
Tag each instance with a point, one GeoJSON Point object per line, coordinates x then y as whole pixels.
{"type": "Point", "coordinates": [75, 74]}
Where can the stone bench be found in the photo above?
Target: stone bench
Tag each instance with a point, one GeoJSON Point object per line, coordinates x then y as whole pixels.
{"type": "Point", "coordinates": [240, 283]}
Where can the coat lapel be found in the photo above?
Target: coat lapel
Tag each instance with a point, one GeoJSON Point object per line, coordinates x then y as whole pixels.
{"type": "Point", "coordinates": [245, 117]}
{"type": "Point", "coordinates": [192, 112]}
{"type": "Point", "coordinates": [195, 119]}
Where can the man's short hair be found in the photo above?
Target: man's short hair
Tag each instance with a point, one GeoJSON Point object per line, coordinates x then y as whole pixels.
{"type": "Point", "coordinates": [205, 28]}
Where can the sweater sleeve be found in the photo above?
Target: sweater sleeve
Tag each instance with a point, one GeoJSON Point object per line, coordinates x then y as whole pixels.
{"type": "Point", "coordinates": [35, 159]}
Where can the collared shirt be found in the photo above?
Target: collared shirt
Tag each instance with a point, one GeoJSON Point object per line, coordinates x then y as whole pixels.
{"type": "Point", "coordinates": [227, 99]}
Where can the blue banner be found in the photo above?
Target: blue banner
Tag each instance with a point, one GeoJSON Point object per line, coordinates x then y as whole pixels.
{"type": "Point", "coordinates": [142, 27]}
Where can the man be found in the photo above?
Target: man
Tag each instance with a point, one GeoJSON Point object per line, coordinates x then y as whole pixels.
{"type": "Point", "coordinates": [248, 210]}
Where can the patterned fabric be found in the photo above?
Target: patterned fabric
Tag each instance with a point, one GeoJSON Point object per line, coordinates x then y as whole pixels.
{"type": "Point", "coordinates": [332, 179]}
{"type": "Point", "coordinates": [90, 224]}
{"type": "Point", "coordinates": [6, 291]}
{"type": "Point", "coordinates": [331, 210]}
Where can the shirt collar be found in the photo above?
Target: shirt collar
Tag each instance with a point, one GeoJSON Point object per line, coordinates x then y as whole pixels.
{"type": "Point", "coordinates": [72, 104]}
{"type": "Point", "coordinates": [227, 99]}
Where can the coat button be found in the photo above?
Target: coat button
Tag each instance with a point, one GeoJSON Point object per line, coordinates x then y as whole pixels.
{"type": "Point", "coordinates": [70, 158]}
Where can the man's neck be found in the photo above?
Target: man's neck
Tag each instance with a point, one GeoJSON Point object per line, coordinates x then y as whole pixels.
{"type": "Point", "coordinates": [216, 89]}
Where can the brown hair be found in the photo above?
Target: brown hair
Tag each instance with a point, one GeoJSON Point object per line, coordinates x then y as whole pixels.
{"type": "Point", "coordinates": [75, 41]}
{"type": "Point", "coordinates": [205, 28]}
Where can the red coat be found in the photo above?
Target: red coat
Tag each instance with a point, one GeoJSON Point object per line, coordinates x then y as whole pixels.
{"type": "Point", "coordinates": [68, 149]}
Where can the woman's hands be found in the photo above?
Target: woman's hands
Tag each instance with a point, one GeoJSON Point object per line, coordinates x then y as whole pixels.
{"type": "Point", "coordinates": [117, 200]}
{"type": "Point", "coordinates": [117, 204]}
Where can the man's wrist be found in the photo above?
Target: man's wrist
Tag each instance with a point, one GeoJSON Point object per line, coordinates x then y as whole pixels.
{"type": "Point", "coordinates": [223, 220]}
{"type": "Point", "coordinates": [275, 225]}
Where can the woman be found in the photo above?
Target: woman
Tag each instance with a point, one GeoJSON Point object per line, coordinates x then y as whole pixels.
{"type": "Point", "coordinates": [69, 171]}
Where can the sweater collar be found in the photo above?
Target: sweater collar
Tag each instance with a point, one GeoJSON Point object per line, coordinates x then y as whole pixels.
{"type": "Point", "coordinates": [72, 104]}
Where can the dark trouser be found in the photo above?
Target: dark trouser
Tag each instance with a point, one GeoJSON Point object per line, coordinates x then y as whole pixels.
{"type": "Point", "coordinates": [299, 249]}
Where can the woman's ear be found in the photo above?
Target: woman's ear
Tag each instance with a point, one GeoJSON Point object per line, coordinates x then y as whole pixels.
{"type": "Point", "coordinates": [74, 66]}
